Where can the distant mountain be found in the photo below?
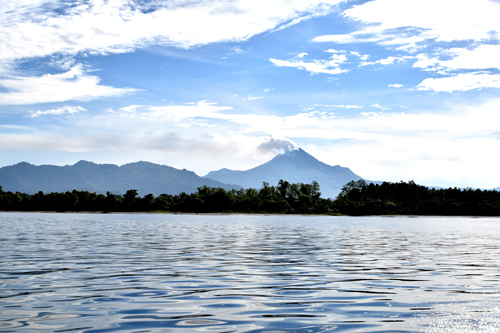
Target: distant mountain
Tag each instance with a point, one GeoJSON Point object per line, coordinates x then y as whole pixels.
{"type": "Point", "coordinates": [145, 177]}
{"type": "Point", "coordinates": [293, 166]}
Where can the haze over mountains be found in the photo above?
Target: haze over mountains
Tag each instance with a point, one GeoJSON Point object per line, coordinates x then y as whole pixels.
{"type": "Point", "coordinates": [294, 166]}
{"type": "Point", "coordinates": [145, 177]}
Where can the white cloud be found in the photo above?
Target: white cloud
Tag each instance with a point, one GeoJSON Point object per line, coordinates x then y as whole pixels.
{"type": "Point", "coordinates": [461, 82]}
{"type": "Point", "coordinates": [444, 20]}
{"type": "Point", "coordinates": [268, 90]}
{"type": "Point", "coordinates": [331, 66]}
{"type": "Point", "coordinates": [252, 98]}
{"type": "Point", "coordinates": [237, 50]}
{"type": "Point", "coordinates": [482, 57]}
{"type": "Point", "coordinates": [396, 85]}
{"type": "Point", "coordinates": [386, 61]}
{"type": "Point", "coordinates": [315, 124]}
{"type": "Point", "coordinates": [330, 106]}
{"type": "Point", "coordinates": [322, 10]}
{"type": "Point", "coordinates": [64, 62]}
{"type": "Point", "coordinates": [74, 84]}
{"type": "Point", "coordinates": [461, 121]}
{"type": "Point", "coordinates": [131, 108]}
{"type": "Point", "coordinates": [378, 106]}
{"type": "Point", "coordinates": [29, 30]}
{"type": "Point", "coordinates": [340, 51]}
{"type": "Point", "coordinates": [423, 61]}
{"type": "Point", "coordinates": [340, 39]}
{"type": "Point", "coordinates": [373, 35]}
{"type": "Point", "coordinates": [178, 113]}
{"type": "Point", "coordinates": [348, 106]}
{"type": "Point", "coordinates": [341, 106]}
{"type": "Point", "coordinates": [410, 25]}
{"type": "Point", "coordinates": [370, 114]}
{"type": "Point", "coordinates": [58, 111]}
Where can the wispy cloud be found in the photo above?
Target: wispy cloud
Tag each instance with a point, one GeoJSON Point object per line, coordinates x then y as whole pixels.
{"type": "Point", "coordinates": [74, 84]}
{"type": "Point", "coordinates": [131, 108]}
{"type": "Point", "coordinates": [378, 106]}
{"type": "Point", "coordinates": [465, 20]}
{"type": "Point", "coordinates": [387, 61]}
{"type": "Point", "coordinates": [463, 121]}
{"type": "Point", "coordinates": [486, 56]}
{"type": "Point", "coordinates": [252, 98]}
{"type": "Point", "coordinates": [202, 109]}
{"type": "Point", "coordinates": [473, 24]}
{"type": "Point", "coordinates": [330, 66]}
{"type": "Point", "coordinates": [102, 27]}
{"type": "Point", "coordinates": [340, 106]}
{"type": "Point", "coordinates": [59, 111]}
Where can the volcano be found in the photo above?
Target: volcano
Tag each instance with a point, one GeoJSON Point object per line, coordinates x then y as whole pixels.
{"type": "Point", "coordinates": [293, 166]}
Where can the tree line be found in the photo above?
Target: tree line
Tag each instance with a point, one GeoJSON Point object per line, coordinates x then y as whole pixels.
{"type": "Point", "coordinates": [356, 198]}
{"type": "Point", "coordinates": [297, 198]}
{"type": "Point", "coordinates": [408, 198]}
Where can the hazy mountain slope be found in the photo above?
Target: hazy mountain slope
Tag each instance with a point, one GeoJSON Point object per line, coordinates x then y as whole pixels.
{"type": "Point", "coordinates": [144, 176]}
{"type": "Point", "coordinates": [293, 166]}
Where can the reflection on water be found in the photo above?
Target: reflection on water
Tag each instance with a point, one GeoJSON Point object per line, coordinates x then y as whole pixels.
{"type": "Point", "coordinates": [241, 273]}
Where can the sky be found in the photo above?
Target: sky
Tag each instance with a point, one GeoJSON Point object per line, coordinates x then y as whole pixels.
{"type": "Point", "coordinates": [395, 90]}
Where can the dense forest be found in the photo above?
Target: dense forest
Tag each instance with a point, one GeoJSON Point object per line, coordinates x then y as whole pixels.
{"type": "Point", "coordinates": [408, 198]}
{"type": "Point", "coordinates": [356, 198]}
{"type": "Point", "coordinates": [283, 198]}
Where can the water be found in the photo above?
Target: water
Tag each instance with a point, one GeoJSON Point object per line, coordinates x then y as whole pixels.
{"type": "Point", "coordinates": [243, 273]}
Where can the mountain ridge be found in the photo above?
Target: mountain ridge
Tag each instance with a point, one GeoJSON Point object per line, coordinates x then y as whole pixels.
{"type": "Point", "coordinates": [146, 177]}
{"type": "Point", "coordinates": [293, 166]}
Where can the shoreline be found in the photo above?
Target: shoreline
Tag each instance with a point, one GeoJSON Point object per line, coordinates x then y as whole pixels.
{"type": "Point", "coordinates": [257, 214]}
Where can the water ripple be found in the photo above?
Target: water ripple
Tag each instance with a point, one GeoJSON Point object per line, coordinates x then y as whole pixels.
{"type": "Point", "coordinates": [237, 273]}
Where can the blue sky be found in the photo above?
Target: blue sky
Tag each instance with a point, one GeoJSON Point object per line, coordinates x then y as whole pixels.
{"type": "Point", "coordinates": [393, 89]}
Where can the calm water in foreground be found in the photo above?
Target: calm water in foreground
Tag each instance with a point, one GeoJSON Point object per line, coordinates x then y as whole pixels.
{"type": "Point", "coordinates": [247, 273]}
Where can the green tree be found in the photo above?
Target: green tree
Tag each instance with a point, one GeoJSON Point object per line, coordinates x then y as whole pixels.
{"type": "Point", "coordinates": [130, 199]}
{"type": "Point", "coordinates": [352, 185]}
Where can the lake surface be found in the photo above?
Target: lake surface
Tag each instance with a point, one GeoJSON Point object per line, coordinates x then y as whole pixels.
{"type": "Point", "coordinates": [247, 273]}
